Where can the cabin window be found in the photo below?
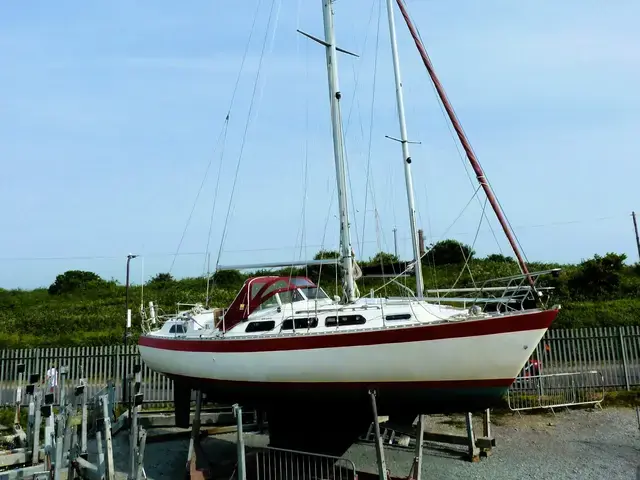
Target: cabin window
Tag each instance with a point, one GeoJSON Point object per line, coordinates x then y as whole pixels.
{"type": "Point", "coordinates": [255, 288]}
{"type": "Point", "coordinates": [400, 316]}
{"type": "Point", "coordinates": [268, 303]}
{"type": "Point", "coordinates": [275, 286]}
{"type": "Point", "coordinates": [290, 296]}
{"type": "Point", "coordinates": [178, 328]}
{"type": "Point", "coordinates": [301, 282]}
{"type": "Point", "coordinates": [314, 293]}
{"type": "Point", "coordinates": [260, 326]}
{"type": "Point", "coordinates": [301, 323]}
{"type": "Point", "coordinates": [344, 320]}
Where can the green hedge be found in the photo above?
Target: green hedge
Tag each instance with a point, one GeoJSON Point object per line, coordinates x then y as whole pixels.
{"type": "Point", "coordinates": [611, 313]}
{"type": "Point", "coordinates": [83, 310]}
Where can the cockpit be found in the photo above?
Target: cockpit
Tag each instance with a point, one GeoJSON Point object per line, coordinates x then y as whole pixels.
{"type": "Point", "coordinates": [261, 293]}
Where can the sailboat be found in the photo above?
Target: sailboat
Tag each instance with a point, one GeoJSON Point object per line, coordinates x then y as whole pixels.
{"type": "Point", "coordinates": [285, 347]}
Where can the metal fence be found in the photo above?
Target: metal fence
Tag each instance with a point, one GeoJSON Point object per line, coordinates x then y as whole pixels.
{"type": "Point", "coordinates": [555, 390]}
{"type": "Point", "coordinates": [614, 352]}
{"type": "Point", "coordinates": [95, 364]}
{"type": "Point", "coordinates": [280, 464]}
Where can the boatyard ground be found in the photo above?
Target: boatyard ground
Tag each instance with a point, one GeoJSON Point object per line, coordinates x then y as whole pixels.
{"type": "Point", "coordinates": [574, 444]}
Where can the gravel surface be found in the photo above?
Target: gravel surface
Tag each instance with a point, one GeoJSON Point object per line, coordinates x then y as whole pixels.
{"type": "Point", "coordinates": [580, 444]}
{"type": "Point", "coordinates": [576, 444]}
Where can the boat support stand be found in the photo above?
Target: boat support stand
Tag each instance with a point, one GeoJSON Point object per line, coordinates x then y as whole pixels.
{"type": "Point", "coordinates": [63, 452]}
{"type": "Point", "coordinates": [383, 473]}
{"type": "Point", "coordinates": [416, 466]}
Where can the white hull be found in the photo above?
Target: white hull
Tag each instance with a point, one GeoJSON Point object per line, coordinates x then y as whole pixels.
{"type": "Point", "coordinates": [418, 356]}
{"type": "Point", "coordinates": [498, 356]}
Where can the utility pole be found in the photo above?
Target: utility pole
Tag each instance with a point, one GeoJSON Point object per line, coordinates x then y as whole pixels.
{"type": "Point", "coordinates": [125, 394]}
{"type": "Point", "coordinates": [635, 227]}
{"type": "Point", "coordinates": [395, 241]}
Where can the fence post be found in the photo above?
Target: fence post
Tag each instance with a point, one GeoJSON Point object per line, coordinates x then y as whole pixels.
{"type": "Point", "coordinates": [624, 358]}
{"type": "Point", "coordinates": [242, 471]}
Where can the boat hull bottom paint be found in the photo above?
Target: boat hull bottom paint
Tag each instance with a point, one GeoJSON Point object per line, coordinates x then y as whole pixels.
{"type": "Point", "coordinates": [329, 418]}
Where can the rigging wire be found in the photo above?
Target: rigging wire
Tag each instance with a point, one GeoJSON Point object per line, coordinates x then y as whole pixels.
{"type": "Point", "coordinates": [200, 253]}
{"type": "Point", "coordinates": [431, 246]}
{"type": "Point", "coordinates": [347, 124]}
{"type": "Point", "coordinates": [324, 233]}
{"type": "Point", "coordinates": [215, 198]}
{"type": "Point", "coordinates": [231, 102]}
{"type": "Point", "coordinates": [354, 101]}
{"type": "Point", "coordinates": [357, 75]}
{"type": "Point", "coordinates": [377, 224]}
{"type": "Point", "coordinates": [168, 254]}
{"type": "Point", "coordinates": [475, 193]}
{"type": "Point", "coordinates": [349, 180]}
{"type": "Point", "coordinates": [391, 196]}
{"type": "Point", "coordinates": [195, 202]}
{"type": "Point", "coordinates": [465, 166]}
{"type": "Point", "coordinates": [263, 79]}
{"type": "Point", "coordinates": [244, 136]}
{"type": "Point", "coordinates": [461, 156]}
{"type": "Point", "coordinates": [380, 239]}
{"type": "Point", "coordinates": [352, 201]}
{"type": "Point", "coordinates": [244, 56]}
{"type": "Point", "coordinates": [213, 209]}
{"type": "Point", "coordinates": [224, 129]}
{"type": "Point", "coordinates": [467, 258]}
{"type": "Point", "coordinates": [430, 259]}
{"type": "Point", "coordinates": [305, 166]}
{"type": "Point", "coordinates": [371, 115]}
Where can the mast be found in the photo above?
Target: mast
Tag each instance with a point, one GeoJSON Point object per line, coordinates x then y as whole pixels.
{"type": "Point", "coordinates": [338, 148]}
{"type": "Point", "coordinates": [406, 157]}
{"type": "Point", "coordinates": [465, 142]}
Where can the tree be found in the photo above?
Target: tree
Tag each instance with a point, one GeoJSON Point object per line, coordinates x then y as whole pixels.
{"type": "Point", "coordinates": [161, 280]}
{"type": "Point", "coordinates": [499, 258]}
{"type": "Point", "coordinates": [8, 299]}
{"type": "Point", "coordinates": [75, 280]}
{"type": "Point", "coordinates": [599, 276]}
{"type": "Point", "coordinates": [324, 254]}
{"type": "Point", "coordinates": [324, 273]}
{"type": "Point", "coordinates": [228, 278]}
{"type": "Point", "coordinates": [383, 258]}
{"type": "Point", "coordinates": [448, 252]}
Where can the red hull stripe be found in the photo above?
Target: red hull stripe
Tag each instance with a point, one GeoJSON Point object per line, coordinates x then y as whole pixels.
{"type": "Point", "coordinates": [347, 386]}
{"type": "Point", "coordinates": [506, 324]}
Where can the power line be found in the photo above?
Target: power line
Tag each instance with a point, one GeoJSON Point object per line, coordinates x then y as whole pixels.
{"type": "Point", "coordinates": [292, 247]}
{"type": "Point", "coordinates": [94, 257]}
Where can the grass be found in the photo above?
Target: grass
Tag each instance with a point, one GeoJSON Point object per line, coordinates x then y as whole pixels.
{"type": "Point", "coordinates": [454, 422]}
{"type": "Point", "coordinates": [6, 419]}
{"type": "Point", "coordinates": [622, 398]}
{"type": "Point", "coordinates": [92, 313]}
{"type": "Point", "coordinates": [7, 416]}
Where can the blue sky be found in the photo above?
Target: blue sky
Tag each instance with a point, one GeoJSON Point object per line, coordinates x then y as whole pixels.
{"type": "Point", "coordinates": [110, 113]}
